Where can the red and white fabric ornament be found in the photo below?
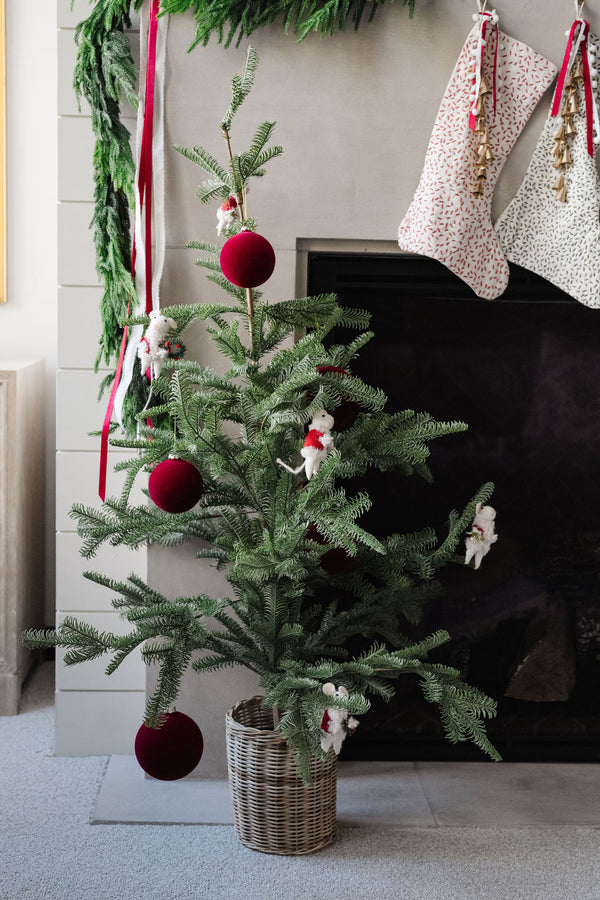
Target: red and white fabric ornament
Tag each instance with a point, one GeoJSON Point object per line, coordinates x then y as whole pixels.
{"type": "Point", "coordinates": [227, 214]}
{"type": "Point", "coordinates": [318, 443]}
{"type": "Point", "coordinates": [481, 536]}
{"type": "Point", "coordinates": [171, 751]}
{"type": "Point", "coordinates": [493, 91]}
{"type": "Point", "coordinates": [247, 259]}
{"type": "Point", "coordinates": [152, 350]}
{"type": "Point", "coordinates": [175, 485]}
{"type": "Point", "coordinates": [336, 724]}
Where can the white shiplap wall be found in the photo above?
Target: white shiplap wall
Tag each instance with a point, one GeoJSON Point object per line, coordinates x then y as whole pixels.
{"type": "Point", "coordinates": [95, 715]}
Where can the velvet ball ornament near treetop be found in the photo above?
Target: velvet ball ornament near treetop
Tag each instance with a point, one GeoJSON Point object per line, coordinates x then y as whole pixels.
{"type": "Point", "coordinates": [175, 485]}
{"type": "Point", "coordinates": [247, 259]}
{"type": "Point", "coordinates": [171, 751]}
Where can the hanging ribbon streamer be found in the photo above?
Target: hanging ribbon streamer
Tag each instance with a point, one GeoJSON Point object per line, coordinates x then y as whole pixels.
{"type": "Point", "coordinates": [485, 19]}
{"type": "Point", "coordinates": [578, 40]}
{"type": "Point", "coordinates": [150, 167]}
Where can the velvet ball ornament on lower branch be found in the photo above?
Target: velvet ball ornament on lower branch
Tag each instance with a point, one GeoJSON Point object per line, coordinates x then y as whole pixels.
{"type": "Point", "coordinates": [336, 561]}
{"type": "Point", "coordinates": [171, 751]}
{"type": "Point", "coordinates": [175, 485]}
{"type": "Point", "coordinates": [247, 259]}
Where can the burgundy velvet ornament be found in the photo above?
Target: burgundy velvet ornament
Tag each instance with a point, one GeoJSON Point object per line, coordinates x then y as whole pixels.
{"type": "Point", "coordinates": [247, 259]}
{"type": "Point", "coordinates": [336, 561]}
{"type": "Point", "coordinates": [175, 485]}
{"type": "Point", "coordinates": [346, 412]}
{"type": "Point", "coordinates": [171, 751]}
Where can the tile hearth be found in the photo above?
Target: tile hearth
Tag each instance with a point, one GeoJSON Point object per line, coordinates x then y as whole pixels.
{"type": "Point", "coordinates": [399, 794]}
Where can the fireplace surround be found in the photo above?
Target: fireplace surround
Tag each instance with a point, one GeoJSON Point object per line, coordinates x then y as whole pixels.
{"type": "Point", "coordinates": [523, 372]}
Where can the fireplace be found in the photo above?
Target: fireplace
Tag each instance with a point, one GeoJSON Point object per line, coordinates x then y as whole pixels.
{"type": "Point", "coordinates": [524, 373]}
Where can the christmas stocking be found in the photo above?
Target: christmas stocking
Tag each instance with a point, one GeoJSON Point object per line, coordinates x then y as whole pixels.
{"type": "Point", "coordinates": [493, 90]}
{"type": "Point", "coordinates": [552, 226]}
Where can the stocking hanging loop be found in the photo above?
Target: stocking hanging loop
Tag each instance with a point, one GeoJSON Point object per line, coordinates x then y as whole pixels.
{"type": "Point", "coordinates": [483, 3]}
{"type": "Point", "coordinates": [579, 4]}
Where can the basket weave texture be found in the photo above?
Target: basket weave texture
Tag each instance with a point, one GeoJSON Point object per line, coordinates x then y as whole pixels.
{"type": "Point", "coordinates": [273, 810]}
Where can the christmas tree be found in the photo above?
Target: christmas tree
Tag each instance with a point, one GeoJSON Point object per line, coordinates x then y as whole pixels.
{"type": "Point", "coordinates": [223, 453]}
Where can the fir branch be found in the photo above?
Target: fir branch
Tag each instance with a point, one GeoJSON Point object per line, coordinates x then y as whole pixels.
{"type": "Point", "coordinates": [241, 85]}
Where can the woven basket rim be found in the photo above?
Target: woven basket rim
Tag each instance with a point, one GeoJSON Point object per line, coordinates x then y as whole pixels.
{"type": "Point", "coordinates": [248, 729]}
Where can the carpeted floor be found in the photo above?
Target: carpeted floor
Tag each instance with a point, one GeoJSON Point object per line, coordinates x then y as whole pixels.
{"type": "Point", "coordinates": [48, 849]}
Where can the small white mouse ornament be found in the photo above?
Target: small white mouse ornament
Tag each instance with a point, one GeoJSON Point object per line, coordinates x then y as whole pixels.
{"type": "Point", "coordinates": [151, 349]}
{"type": "Point", "coordinates": [482, 534]}
{"type": "Point", "coordinates": [336, 723]}
{"type": "Point", "coordinates": [227, 214]}
{"type": "Point", "coordinates": [317, 444]}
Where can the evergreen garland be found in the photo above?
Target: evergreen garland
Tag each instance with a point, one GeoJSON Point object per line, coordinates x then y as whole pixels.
{"type": "Point", "coordinates": [225, 18]}
{"type": "Point", "coordinates": [103, 74]}
{"type": "Point", "coordinates": [287, 620]}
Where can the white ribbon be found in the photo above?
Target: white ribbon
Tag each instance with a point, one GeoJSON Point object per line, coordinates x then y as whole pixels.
{"type": "Point", "coordinates": [483, 18]}
{"type": "Point", "coordinates": [158, 199]}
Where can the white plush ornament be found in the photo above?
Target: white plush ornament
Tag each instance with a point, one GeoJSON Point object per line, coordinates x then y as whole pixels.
{"type": "Point", "coordinates": [150, 349]}
{"type": "Point", "coordinates": [227, 213]}
{"type": "Point", "coordinates": [482, 534]}
{"type": "Point", "coordinates": [336, 722]}
{"type": "Point", "coordinates": [317, 444]}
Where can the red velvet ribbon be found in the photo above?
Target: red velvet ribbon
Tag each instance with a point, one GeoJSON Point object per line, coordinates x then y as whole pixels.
{"type": "Point", "coordinates": [145, 201]}
{"type": "Point", "coordinates": [472, 118]}
{"type": "Point", "coordinates": [587, 81]}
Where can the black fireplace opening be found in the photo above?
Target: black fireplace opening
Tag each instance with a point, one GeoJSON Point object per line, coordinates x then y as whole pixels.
{"type": "Point", "coordinates": [523, 372]}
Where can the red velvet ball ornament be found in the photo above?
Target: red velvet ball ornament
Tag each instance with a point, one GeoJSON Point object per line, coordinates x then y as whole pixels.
{"type": "Point", "coordinates": [336, 561]}
{"type": "Point", "coordinates": [171, 751]}
{"type": "Point", "coordinates": [247, 259]}
{"type": "Point", "coordinates": [346, 412]}
{"type": "Point", "coordinates": [175, 485]}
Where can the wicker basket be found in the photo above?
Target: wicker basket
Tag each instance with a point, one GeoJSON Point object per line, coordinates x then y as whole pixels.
{"type": "Point", "coordinates": [273, 810]}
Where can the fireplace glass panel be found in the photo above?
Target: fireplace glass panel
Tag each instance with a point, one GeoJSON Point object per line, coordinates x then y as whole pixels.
{"type": "Point", "coordinates": [523, 372]}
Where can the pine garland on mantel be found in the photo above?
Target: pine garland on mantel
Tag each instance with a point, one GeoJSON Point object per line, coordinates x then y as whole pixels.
{"type": "Point", "coordinates": [105, 73]}
{"type": "Point", "coordinates": [228, 17]}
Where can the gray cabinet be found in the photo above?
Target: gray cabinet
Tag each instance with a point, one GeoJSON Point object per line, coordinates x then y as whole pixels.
{"type": "Point", "coordinates": [22, 507]}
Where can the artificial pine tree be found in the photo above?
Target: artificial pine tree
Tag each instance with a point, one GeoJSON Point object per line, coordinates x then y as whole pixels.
{"type": "Point", "coordinates": [268, 529]}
